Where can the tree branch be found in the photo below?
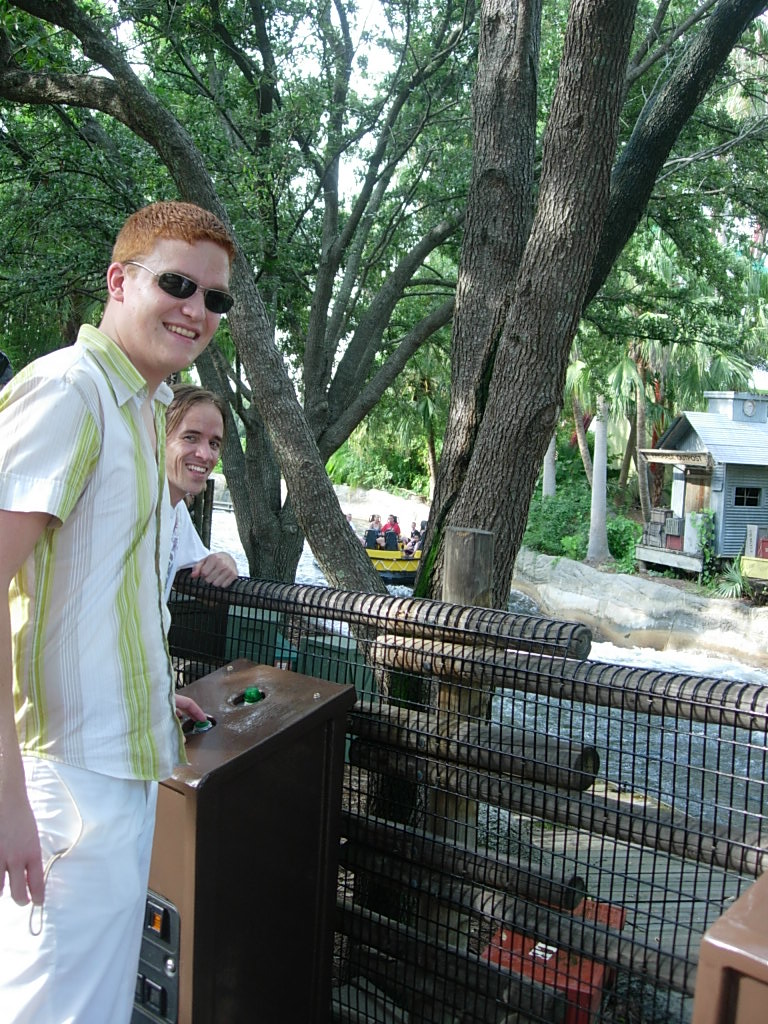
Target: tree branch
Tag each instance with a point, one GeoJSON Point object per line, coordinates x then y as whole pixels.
{"type": "Point", "coordinates": [645, 59]}
{"type": "Point", "coordinates": [656, 131]}
{"type": "Point", "coordinates": [355, 411]}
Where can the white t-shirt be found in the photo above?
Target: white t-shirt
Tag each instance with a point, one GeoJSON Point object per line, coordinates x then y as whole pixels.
{"type": "Point", "coordinates": [186, 547]}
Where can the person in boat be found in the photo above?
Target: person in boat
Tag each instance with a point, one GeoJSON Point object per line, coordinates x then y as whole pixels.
{"type": "Point", "coordinates": [412, 544]}
{"type": "Point", "coordinates": [390, 527]}
{"type": "Point", "coordinates": [195, 433]}
{"type": "Point", "coordinates": [373, 536]}
{"type": "Point", "coordinates": [391, 524]}
{"type": "Point", "coordinates": [87, 722]}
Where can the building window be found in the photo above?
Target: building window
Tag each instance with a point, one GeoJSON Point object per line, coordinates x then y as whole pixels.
{"type": "Point", "coordinates": [746, 497]}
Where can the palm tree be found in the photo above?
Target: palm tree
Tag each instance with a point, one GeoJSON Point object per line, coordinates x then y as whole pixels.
{"type": "Point", "coordinates": [597, 550]}
{"type": "Point", "coordinates": [411, 416]}
{"type": "Point", "coordinates": [548, 469]}
{"type": "Point", "coordinates": [578, 388]}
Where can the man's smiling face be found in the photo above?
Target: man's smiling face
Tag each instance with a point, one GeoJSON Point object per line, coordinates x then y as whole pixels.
{"type": "Point", "coordinates": [192, 450]}
{"type": "Point", "coordinates": [161, 334]}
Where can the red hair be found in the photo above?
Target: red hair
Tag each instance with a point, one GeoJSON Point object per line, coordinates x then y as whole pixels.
{"type": "Point", "coordinates": [169, 219]}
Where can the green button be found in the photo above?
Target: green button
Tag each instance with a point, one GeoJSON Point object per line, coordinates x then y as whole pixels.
{"type": "Point", "coordinates": [252, 695]}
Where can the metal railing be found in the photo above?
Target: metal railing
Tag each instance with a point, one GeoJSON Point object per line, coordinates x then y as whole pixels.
{"type": "Point", "coordinates": [527, 835]}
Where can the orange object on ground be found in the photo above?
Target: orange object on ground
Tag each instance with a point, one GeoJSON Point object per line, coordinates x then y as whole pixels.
{"type": "Point", "coordinates": [580, 980]}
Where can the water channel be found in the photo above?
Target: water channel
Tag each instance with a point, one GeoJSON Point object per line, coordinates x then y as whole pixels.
{"type": "Point", "coordinates": [224, 537]}
{"type": "Point", "coordinates": [685, 763]}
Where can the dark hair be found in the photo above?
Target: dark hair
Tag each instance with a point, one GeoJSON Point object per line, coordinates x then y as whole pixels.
{"type": "Point", "coordinates": [185, 396]}
{"type": "Point", "coordinates": [6, 370]}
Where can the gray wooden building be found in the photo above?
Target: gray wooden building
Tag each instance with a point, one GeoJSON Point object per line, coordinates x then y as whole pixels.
{"type": "Point", "coordinates": [719, 461]}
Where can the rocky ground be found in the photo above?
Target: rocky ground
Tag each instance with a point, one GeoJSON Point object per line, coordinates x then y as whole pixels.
{"type": "Point", "coordinates": [639, 610]}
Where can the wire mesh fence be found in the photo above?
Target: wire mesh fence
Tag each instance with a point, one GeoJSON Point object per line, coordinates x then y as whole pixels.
{"type": "Point", "coordinates": [527, 835]}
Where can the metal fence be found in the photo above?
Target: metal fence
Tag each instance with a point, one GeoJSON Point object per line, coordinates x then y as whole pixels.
{"type": "Point", "coordinates": [527, 835]}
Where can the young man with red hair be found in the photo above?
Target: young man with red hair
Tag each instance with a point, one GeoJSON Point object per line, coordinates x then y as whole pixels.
{"type": "Point", "coordinates": [87, 722]}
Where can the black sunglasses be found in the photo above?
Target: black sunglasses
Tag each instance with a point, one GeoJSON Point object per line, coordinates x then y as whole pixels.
{"type": "Point", "coordinates": [181, 287]}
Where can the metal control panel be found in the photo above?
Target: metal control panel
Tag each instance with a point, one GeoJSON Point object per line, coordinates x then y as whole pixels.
{"type": "Point", "coordinates": [243, 877]}
{"type": "Point", "coordinates": [157, 981]}
{"type": "Point", "coordinates": [732, 973]}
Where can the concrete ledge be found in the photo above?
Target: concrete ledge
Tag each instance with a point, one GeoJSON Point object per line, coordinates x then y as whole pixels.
{"type": "Point", "coordinates": [645, 554]}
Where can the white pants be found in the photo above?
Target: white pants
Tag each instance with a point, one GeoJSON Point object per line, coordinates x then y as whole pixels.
{"type": "Point", "coordinates": [74, 961]}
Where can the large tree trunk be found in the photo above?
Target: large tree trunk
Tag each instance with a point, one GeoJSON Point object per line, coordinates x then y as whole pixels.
{"type": "Point", "coordinates": [313, 500]}
{"type": "Point", "coordinates": [499, 214]}
{"type": "Point", "coordinates": [270, 536]}
{"type": "Point", "coordinates": [527, 383]}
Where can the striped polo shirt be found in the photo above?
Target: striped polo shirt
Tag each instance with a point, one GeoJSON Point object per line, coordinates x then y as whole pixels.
{"type": "Point", "coordinates": [92, 677]}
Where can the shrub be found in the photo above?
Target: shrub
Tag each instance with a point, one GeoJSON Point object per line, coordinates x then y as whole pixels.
{"type": "Point", "coordinates": [705, 528]}
{"type": "Point", "coordinates": [575, 546]}
{"type": "Point", "coordinates": [732, 582]}
{"type": "Point", "coordinates": [623, 535]}
{"type": "Point", "coordinates": [559, 525]}
{"type": "Point", "coordinates": [550, 520]}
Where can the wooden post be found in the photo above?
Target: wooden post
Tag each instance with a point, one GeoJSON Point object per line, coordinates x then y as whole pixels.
{"type": "Point", "coordinates": [467, 580]}
{"type": "Point", "coordinates": [468, 567]}
{"type": "Point", "coordinates": [202, 513]}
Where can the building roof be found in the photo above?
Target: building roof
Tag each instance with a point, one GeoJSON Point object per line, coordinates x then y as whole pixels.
{"type": "Point", "coordinates": [728, 441]}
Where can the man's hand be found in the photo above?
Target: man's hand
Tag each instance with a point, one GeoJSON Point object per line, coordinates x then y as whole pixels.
{"type": "Point", "coordinates": [190, 708]}
{"type": "Point", "coordinates": [20, 856]}
{"type": "Point", "coordinates": [218, 569]}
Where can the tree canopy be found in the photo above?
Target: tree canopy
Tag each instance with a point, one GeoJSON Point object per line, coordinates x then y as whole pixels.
{"type": "Point", "coordinates": [529, 237]}
{"type": "Point", "coordinates": [339, 145]}
{"type": "Point", "coordinates": [339, 184]}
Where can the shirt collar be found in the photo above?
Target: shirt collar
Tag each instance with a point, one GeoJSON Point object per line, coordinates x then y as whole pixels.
{"type": "Point", "coordinates": [125, 379]}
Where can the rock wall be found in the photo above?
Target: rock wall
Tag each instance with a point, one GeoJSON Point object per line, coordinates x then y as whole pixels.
{"type": "Point", "coordinates": [633, 611]}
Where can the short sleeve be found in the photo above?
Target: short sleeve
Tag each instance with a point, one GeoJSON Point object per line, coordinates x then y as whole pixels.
{"type": "Point", "coordinates": [50, 444]}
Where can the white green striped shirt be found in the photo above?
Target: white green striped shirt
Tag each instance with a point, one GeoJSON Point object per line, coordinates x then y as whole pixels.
{"type": "Point", "coordinates": [92, 677]}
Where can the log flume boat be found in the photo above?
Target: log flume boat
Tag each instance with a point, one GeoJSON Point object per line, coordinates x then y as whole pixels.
{"type": "Point", "coordinates": [394, 567]}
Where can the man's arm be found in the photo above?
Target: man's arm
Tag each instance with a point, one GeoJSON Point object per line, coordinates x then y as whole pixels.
{"type": "Point", "coordinates": [215, 567]}
{"type": "Point", "coordinates": [20, 856]}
